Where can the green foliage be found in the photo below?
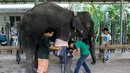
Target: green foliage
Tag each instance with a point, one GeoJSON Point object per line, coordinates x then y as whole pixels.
{"type": "Point", "coordinates": [114, 11]}
{"type": "Point", "coordinates": [129, 26]}
{"type": "Point", "coordinates": [97, 13]}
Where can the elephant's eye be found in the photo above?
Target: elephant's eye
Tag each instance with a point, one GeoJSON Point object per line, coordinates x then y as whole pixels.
{"type": "Point", "coordinates": [87, 25]}
{"type": "Point", "coordinates": [81, 31]}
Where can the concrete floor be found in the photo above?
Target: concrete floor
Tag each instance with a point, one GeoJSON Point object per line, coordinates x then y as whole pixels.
{"type": "Point", "coordinates": [119, 63]}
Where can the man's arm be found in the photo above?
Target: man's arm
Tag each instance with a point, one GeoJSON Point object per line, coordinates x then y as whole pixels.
{"type": "Point", "coordinates": [77, 47]}
{"type": "Point", "coordinates": [77, 51]}
{"type": "Point", "coordinates": [54, 48]}
{"type": "Point", "coordinates": [109, 40]}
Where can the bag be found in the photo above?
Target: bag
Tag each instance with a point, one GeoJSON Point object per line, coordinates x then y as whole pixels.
{"type": "Point", "coordinates": [56, 53]}
{"type": "Point", "coordinates": [60, 52]}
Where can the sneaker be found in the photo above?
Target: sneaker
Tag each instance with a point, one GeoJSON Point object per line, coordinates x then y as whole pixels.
{"type": "Point", "coordinates": [35, 70]}
{"type": "Point", "coordinates": [104, 61]}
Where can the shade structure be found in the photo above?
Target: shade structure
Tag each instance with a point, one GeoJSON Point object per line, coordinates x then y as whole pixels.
{"type": "Point", "coordinates": [15, 1]}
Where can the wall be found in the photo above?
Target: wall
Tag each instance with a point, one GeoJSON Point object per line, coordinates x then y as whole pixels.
{"type": "Point", "coordinates": [5, 18]}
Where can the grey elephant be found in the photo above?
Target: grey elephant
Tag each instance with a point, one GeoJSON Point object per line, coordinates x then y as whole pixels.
{"type": "Point", "coordinates": [63, 21]}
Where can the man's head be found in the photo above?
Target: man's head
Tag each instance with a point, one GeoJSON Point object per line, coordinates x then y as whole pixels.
{"type": "Point", "coordinates": [49, 32]}
{"type": "Point", "coordinates": [71, 43]}
{"type": "Point", "coordinates": [105, 30]}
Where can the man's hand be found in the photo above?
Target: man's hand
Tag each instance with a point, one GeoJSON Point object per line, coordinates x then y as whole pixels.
{"type": "Point", "coordinates": [77, 52]}
{"type": "Point", "coordinates": [54, 48]}
{"type": "Point", "coordinates": [57, 48]}
{"type": "Point", "coordinates": [106, 46]}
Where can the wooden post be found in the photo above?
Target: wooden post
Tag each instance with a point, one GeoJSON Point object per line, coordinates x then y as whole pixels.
{"type": "Point", "coordinates": [113, 46]}
{"type": "Point", "coordinates": [96, 46]}
{"type": "Point", "coordinates": [9, 47]}
{"type": "Point", "coordinates": [8, 34]}
{"type": "Point", "coordinates": [101, 28]}
{"type": "Point", "coordinates": [113, 32]}
{"type": "Point", "coordinates": [123, 33]}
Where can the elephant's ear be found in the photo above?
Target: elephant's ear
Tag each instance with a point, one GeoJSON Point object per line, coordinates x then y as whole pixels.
{"type": "Point", "coordinates": [77, 24]}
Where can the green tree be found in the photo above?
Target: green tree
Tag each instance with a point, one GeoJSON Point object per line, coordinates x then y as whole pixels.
{"type": "Point", "coordinates": [98, 13]}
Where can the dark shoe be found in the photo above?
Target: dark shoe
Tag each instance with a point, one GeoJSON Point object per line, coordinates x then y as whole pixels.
{"type": "Point", "coordinates": [93, 63]}
{"type": "Point", "coordinates": [104, 61]}
{"type": "Point", "coordinates": [35, 70]}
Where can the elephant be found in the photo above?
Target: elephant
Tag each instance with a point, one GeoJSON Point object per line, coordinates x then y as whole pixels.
{"type": "Point", "coordinates": [63, 21]}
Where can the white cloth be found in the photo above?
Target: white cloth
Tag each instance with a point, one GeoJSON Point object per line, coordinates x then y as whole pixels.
{"type": "Point", "coordinates": [0, 33]}
{"type": "Point", "coordinates": [106, 38]}
{"type": "Point", "coordinates": [60, 42]}
{"type": "Point", "coordinates": [75, 14]}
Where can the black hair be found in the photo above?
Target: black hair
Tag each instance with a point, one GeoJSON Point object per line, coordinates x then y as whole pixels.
{"type": "Point", "coordinates": [49, 30]}
{"type": "Point", "coordinates": [105, 29]}
{"type": "Point", "coordinates": [70, 42]}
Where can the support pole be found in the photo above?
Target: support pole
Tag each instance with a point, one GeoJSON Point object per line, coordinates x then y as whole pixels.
{"type": "Point", "coordinates": [101, 51]}
{"type": "Point", "coordinates": [113, 33]}
{"type": "Point", "coordinates": [36, 2]}
{"type": "Point", "coordinates": [121, 22]}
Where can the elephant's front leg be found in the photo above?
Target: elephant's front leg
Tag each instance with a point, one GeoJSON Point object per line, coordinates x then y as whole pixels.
{"type": "Point", "coordinates": [29, 60]}
{"type": "Point", "coordinates": [92, 46]}
{"type": "Point", "coordinates": [92, 49]}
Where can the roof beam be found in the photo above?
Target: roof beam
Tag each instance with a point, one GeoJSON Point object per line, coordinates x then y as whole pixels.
{"type": "Point", "coordinates": [104, 0]}
{"type": "Point", "coordinates": [117, 2]}
{"type": "Point", "coordinates": [24, 1]}
{"type": "Point", "coordinates": [5, 1]}
{"type": "Point", "coordinates": [59, 0]}
{"type": "Point", "coordinates": [81, 1]}
{"type": "Point", "coordinates": [14, 1]}
{"type": "Point", "coordinates": [91, 0]}
{"type": "Point", "coordinates": [67, 1]}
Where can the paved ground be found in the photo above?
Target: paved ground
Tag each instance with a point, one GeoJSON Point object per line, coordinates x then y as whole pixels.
{"type": "Point", "coordinates": [119, 63]}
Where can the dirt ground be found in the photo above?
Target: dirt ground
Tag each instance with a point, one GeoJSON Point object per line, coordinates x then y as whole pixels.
{"type": "Point", "coordinates": [119, 63]}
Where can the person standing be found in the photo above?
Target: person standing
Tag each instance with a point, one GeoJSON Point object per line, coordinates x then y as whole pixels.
{"type": "Point", "coordinates": [69, 53]}
{"type": "Point", "coordinates": [61, 53]}
{"type": "Point", "coordinates": [44, 51]}
{"type": "Point", "coordinates": [106, 40]}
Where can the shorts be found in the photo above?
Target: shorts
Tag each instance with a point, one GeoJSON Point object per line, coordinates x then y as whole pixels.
{"type": "Point", "coordinates": [42, 65]}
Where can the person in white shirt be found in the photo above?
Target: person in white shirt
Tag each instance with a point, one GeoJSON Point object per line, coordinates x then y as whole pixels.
{"type": "Point", "coordinates": [0, 33]}
{"type": "Point", "coordinates": [106, 40]}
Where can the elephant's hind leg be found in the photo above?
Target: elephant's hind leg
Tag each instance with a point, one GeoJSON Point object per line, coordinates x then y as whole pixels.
{"type": "Point", "coordinates": [29, 60]}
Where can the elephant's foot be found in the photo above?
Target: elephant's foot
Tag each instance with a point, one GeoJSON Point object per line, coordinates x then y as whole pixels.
{"type": "Point", "coordinates": [31, 71]}
{"type": "Point", "coordinates": [26, 71]}
{"type": "Point", "coordinates": [93, 63]}
{"type": "Point", "coordinates": [35, 70]}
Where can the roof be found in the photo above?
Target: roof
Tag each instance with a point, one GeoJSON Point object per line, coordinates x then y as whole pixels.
{"type": "Point", "coordinates": [20, 8]}
{"type": "Point", "coordinates": [24, 1]}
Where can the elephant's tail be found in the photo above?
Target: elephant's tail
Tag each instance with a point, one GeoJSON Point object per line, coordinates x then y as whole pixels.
{"type": "Point", "coordinates": [19, 36]}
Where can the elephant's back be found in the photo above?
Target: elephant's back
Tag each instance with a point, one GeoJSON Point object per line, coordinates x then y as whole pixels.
{"type": "Point", "coordinates": [48, 6]}
{"type": "Point", "coordinates": [46, 12]}
{"type": "Point", "coordinates": [43, 16]}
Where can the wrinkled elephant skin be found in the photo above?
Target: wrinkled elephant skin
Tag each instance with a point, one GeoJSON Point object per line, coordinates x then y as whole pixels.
{"type": "Point", "coordinates": [45, 15]}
